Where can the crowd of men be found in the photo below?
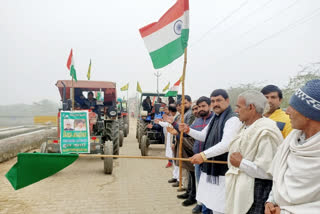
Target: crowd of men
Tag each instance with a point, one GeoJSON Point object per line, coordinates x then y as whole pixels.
{"type": "Point", "coordinates": [273, 155]}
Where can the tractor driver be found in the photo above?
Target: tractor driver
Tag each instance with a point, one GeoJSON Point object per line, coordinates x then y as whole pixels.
{"type": "Point", "coordinates": [91, 102]}
{"type": "Point", "coordinates": [146, 104]}
{"type": "Point", "coordinates": [80, 99]}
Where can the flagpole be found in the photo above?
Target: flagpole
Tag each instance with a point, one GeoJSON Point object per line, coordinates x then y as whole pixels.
{"type": "Point", "coordinates": [182, 118]}
{"type": "Point", "coordinates": [128, 94]}
{"type": "Point", "coordinates": [72, 90]}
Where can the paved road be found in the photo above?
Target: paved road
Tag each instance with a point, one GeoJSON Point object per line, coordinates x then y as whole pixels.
{"type": "Point", "coordinates": [136, 186]}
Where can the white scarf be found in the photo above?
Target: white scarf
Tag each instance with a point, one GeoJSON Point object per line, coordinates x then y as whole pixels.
{"type": "Point", "coordinates": [296, 175]}
{"type": "Point", "coordinates": [257, 143]}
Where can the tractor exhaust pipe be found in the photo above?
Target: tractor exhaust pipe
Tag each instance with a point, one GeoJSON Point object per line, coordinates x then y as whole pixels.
{"type": "Point", "coordinates": [64, 102]}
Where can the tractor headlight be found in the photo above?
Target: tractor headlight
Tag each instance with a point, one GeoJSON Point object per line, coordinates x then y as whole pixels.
{"type": "Point", "coordinates": [112, 111]}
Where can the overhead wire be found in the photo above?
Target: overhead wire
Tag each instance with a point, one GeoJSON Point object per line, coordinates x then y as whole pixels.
{"type": "Point", "coordinates": [221, 22]}
{"type": "Point", "coordinates": [291, 26]}
{"type": "Point", "coordinates": [263, 6]}
{"type": "Point", "coordinates": [280, 12]}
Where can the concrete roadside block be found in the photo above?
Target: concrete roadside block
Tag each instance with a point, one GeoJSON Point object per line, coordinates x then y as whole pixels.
{"type": "Point", "coordinates": [11, 133]}
{"type": "Point", "coordinates": [10, 147]}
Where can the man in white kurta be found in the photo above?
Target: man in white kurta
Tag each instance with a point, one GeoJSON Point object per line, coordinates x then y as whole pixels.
{"type": "Point", "coordinates": [296, 166]}
{"type": "Point", "coordinates": [211, 189]}
{"type": "Point", "coordinates": [250, 156]}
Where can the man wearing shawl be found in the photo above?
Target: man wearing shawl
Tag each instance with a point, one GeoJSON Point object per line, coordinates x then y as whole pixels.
{"type": "Point", "coordinates": [295, 168]}
{"type": "Point", "coordinates": [216, 137]}
{"type": "Point", "coordinates": [250, 156]}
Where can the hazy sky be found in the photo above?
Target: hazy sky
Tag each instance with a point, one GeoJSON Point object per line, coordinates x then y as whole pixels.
{"type": "Point", "coordinates": [36, 37]}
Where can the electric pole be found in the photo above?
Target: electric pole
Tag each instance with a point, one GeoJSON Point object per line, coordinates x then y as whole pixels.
{"type": "Point", "coordinates": [157, 74]}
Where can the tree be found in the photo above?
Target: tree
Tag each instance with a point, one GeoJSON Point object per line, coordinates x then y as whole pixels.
{"type": "Point", "coordinates": [308, 72]}
{"type": "Point", "coordinates": [234, 92]}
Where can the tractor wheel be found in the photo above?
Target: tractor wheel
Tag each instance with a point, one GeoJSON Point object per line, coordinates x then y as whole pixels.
{"type": "Point", "coordinates": [137, 130]}
{"type": "Point", "coordinates": [108, 162]}
{"type": "Point", "coordinates": [121, 137]}
{"type": "Point", "coordinates": [121, 123]}
{"type": "Point", "coordinates": [144, 145]}
{"type": "Point", "coordinates": [43, 148]}
{"type": "Point", "coordinates": [127, 123]}
{"type": "Point", "coordinates": [143, 130]}
{"type": "Point", "coordinates": [112, 130]}
{"type": "Point", "coordinates": [126, 130]}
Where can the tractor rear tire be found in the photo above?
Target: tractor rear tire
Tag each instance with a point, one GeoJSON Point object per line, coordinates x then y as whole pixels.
{"type": "Point", "coordinates": [44, 148]}
{"type": "Point", "coordinates": [121, 137]}
{"type": "Point", "coordinates": [112, 129]}
{"type": "Point", "coordinates": [108, 162]}
{"type": "Point", "coordinates": [144, 145]}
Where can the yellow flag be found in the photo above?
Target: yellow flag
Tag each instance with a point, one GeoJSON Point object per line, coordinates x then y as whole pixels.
{"type": "Point", "coordinates": [166, 88]}
{"type": "Point", "coordinates": [125, 87]}
{"type": "Point", "coordinates": [139, 87]}
{"type": "Point", "coordinates": [89, 71]}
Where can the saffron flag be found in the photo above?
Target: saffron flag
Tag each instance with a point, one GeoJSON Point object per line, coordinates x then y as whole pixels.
{"type": "Point", "coordinates": [173, 91]}
{"type": "Point", "coordinates": [33, 167]}
{"type": "Point", "coordinates": [167, 39]}
{"type": "Point", "coordinates": [166, 88]}
{"type": "Point", "coordinates": [70, 66]}
{"type": "Point", "coordinates": [89, 71]}
{"type": "Point", "coordinates": [125, 87]}
{"type": "Point", "coordinates": [139, 88]}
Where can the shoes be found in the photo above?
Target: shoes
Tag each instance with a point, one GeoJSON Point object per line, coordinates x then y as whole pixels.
{"type": "Point", "coordinates": [172, 180]}
{"type": "Point", "coordinates": [183, 196]}
{"type": "Point", "coordinates": [176, 184]}
{"type": "Point", "coordinates": [189, 202]}
{"type": "Point", "coordinates": [181, 190]}
{"type": "Point", "coordinates": [169, 164]}
{"type": "Point", "coordinates": [197, 209]}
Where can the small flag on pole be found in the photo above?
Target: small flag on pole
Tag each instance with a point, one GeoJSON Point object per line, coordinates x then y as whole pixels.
{"type": "Point", "coordinates": [70, 66]}
{"type": "Point", "coordinates": [125, 87]}
{"type": "Point", "coordinates": [173, 91]}
{"type": "Point", "coordinates": [89, 71]}
{"type": "Point", "coordinates": [166, 88]}
{"type": "Point", "coordinates": [167, 38]}
{"type": "Point", "coordinates": [139, 88]}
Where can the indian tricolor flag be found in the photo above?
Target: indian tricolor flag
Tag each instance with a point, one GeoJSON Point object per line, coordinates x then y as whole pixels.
{"type": "Point", "coordinates": [167, 38]}
{"type": "Point", "coordinates": [70, 66]}
{"type": "Point", "coordinates": [173, 91]}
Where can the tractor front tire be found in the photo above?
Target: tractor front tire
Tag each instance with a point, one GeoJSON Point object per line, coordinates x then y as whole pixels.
{"type": "Point", "coordinates": [137, 130]}
{"type": "Point", "coordinates": [121, 137]}
{"type": "Point", "coordinates": [108, 162]}
{"type": "Point", "coordinates": [144, 145]}
{"type": "Point", "coordinates": [126, 130]}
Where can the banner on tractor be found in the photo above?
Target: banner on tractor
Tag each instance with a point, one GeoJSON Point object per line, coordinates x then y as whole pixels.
{"type": "Point", "coordinates": [74, 132]}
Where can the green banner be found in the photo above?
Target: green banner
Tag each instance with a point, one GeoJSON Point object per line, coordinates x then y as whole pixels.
{"type": "Point", "coordinates": [74, 132]}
